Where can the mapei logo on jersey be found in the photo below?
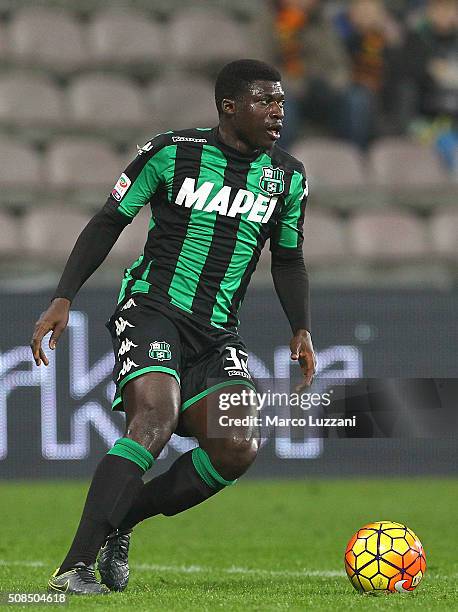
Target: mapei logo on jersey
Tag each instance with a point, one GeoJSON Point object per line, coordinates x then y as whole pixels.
{"type": "Point", "coordinates": [272, 180]}
{"type": "Point", "coordinates": [160, 350]}
{"type": "Point", "coordinates": [121, 187]}
{"type": "Point", "coordinates": [258, 209]}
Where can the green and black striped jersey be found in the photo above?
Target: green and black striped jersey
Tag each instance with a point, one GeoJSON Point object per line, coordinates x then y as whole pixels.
{"type": "Point", "coordinates": [212, 210]}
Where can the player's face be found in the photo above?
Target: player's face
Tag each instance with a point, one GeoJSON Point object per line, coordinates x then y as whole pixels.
{"type": "Point", "coordinates": [258, 117]}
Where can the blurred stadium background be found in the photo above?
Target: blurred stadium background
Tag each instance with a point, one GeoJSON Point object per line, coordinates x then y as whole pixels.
{"type": "Point", "coordinates": [373, 103]}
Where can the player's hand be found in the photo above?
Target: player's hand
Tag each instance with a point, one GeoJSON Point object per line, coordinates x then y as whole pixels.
{"type": "Point", "coordinates": [55, 318]}
{"type": "Point", "coordinates": [302, 350]}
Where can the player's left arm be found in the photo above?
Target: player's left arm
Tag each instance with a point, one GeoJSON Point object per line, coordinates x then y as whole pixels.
{"type": "Point", "coordinates": [290, 275]}
{"type": "Point", "coordinates": [135, 187]}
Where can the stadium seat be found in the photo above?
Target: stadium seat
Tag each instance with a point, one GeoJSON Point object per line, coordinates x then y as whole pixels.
{"type": "Point", "coordinates": [123, 38]}
{"type": "Point", "coordinates": [49, 233]}
{"type": "Point", "coordinates": [388, 234]}
{"type": "Point", "coordinates": [444, 231]}
{"type": "Point", "coordinates": [3, 43]}
{"type": "Point", "coordinates": [29, 100]}
{"type": "Point", "coordinates": [21, 165]}
{"type": "Point", "coordinates": [324, 237]}
{"type": "Point", "coordinates": [100, 100]}
{"type": "Point", "coordinates": [324, 244]}
{"type": "Point", "coordinates": [330, 163]}
{"type": "Point", "coordinates": [48, 38]}
{"type": "Point", "coordinates": [10, 242]}
{"type": "Point", "coordinates": [398, 162]}
{"type": "Point", "coordinates": [259, 39]}
{"type": "Point", "coordinates": [206, 38]}
{"type": "Point", "coordinates": [82, 162]}
{"type": "Point", "coordinates": [178, 103]}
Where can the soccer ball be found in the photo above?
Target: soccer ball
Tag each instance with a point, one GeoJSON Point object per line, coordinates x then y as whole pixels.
{"type": "Point", "coordinates": [385, 557]}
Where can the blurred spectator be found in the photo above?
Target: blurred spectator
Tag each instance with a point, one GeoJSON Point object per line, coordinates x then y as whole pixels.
{"type": "Point", "coordinates": [430, 71]}
{"type": "Point", "coordinates": [404, 9]}
{"type": "Point", "coordinates": [371, 38]}
{"type": "Point", "coordinates": [313, 64]}
{"type": "Point", "coordinates": [337, 75]}
{"type": "Point", "coordinates": [431, 60]}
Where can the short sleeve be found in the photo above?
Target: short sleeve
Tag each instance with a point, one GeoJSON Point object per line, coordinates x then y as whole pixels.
{"type": "Point", "coordinates": [141, 179]}
{"type": "Point", "coordinates": [288, 233]}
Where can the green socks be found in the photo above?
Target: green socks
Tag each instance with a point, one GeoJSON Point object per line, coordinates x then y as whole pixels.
{"type": "Point", "coordinates": [135, 452]}
{"type": "Point", "coordinates": [207, 472]}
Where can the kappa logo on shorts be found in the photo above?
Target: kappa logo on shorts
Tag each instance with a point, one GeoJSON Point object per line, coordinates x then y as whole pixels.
{"type": "Point", "coordinates": [125, 347]}
{"type": "Point", "coordinates": [160, 350]}
{"type": "Point", "coordinates": [121, 325]}
{"type": "Point", "coordinates": [130, 302]}
{"type": "Point", "coordinates": [126, 367]}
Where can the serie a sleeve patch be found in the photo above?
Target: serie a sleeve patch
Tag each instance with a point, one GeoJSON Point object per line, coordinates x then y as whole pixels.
{"type": "Point", "coordinates": [121, 187]}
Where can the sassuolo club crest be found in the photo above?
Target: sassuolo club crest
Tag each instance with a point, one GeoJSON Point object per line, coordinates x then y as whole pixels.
{"type": "Point", "coordinates": [272, 181]}
{"type": "Point", "coordinates": [160, 350]}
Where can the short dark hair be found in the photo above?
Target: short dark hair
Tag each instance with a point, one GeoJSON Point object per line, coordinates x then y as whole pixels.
{"type": "Point", "coordinates": [234, 78]}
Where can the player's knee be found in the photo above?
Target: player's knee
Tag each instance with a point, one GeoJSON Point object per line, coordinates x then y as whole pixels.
{"type": "Point", "coordinates": [152, 406]}
{"type": "Point", "coordinates": [235, 455]}
{"type": "Point", "coordinates": [153, 425]}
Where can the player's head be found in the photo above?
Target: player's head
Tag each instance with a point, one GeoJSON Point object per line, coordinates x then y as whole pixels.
{"type": "Point", "coordinates": [249, 98]}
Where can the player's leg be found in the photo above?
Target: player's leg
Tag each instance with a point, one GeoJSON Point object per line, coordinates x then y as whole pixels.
{"type": "Point", "coordinates": [193, 478]}
{"type": "Point", "coordinates": [151, 402]}
{"type": "Point", "coordinates": [221, 458]}
{"type": "Point", "coordinates": [231, 446]}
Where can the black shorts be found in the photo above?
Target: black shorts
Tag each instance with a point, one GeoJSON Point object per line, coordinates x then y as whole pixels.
{"type": "Point", "coordinates": [149, 337]}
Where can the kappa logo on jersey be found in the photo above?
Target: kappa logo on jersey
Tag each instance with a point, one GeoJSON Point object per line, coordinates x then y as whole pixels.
{"type": "Point", "coordinates": [126, 367]}
{"type": "Point", "coordinates": [188, 139]}
{"type": "Point", "coordinates": [272, 180]}
{"type": "Point", "coordinates": [125, 347]}
{"type": "Point", "coordinates": [305, 193]}
{"type": "Point", "coordinates": [130, 302]}
{"type": "Point", "coordinates": [121, 187]}
{"type": "Point", "coordinates": [237, 361]}
{"type": "Point", "coordinates": [121, 325]}
{"type": "Point", "coordinates": [259, 209]}
{"type": "Point", "coordinates": [160, 350]}
{"type": "Point", "coordinates": [145, 148]}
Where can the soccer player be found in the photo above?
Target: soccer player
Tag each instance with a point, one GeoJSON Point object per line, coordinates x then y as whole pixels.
{"type": "Point", "coordinates": [216, 196]}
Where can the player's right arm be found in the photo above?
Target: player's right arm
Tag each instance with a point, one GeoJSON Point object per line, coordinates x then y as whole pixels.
{"type": "Point", "coordinates": [134, 188]}
{"type": "Point", "coordinates": [290, 275]}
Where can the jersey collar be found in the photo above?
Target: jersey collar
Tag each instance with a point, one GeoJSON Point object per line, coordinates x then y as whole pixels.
{"type": "Point", "coordinates": [234, 153]}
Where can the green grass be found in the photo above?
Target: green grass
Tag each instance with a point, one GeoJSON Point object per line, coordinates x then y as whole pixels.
{"type": "Point", "coordinates": [260, 545]}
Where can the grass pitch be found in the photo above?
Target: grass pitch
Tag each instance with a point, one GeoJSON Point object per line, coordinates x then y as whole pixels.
{"type": "Point", "coordinates": [260, 545]}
